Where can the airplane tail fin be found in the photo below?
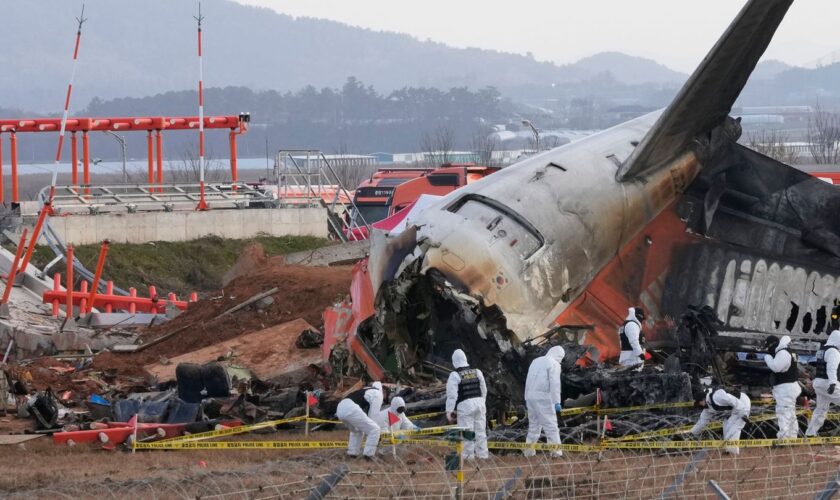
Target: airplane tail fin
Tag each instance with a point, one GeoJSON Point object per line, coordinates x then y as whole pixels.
{"type": "Point", "coordinates": [707, 97]}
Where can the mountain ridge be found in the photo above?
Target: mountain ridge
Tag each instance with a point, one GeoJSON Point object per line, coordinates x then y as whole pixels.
{"type": "Point", "coordinates": [148, 47]}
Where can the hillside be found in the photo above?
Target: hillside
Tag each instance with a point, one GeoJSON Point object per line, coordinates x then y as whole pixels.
{"type": "Point", "coordinates": [769, 69]}
{"type": "Point", "coordinates": [626, 69]}
{"type": "Point", "coordinates": [149, 47]}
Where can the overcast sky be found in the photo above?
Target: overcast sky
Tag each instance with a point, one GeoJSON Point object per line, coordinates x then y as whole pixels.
{"type": "Point", "coordinates": [677, 33]}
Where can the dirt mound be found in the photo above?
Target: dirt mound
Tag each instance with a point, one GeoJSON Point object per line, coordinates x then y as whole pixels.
{"type": "Point", "coordinates": [106, 360]}
{"type": "Point", "coordinates": [252, 257]}
{"type": "Point", "coordinates": [303, 292]}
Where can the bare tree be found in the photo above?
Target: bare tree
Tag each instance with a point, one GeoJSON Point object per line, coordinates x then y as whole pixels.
{"type": "Point", "coordinates": [824, 136]}
{"type": "Point", "coordinates": [438, 145]}
{"type": "Point", "coordinates": [775, 144]}
{"type": "Point", "coordinates": [485, 144]}
{"type": "Point", "coordinates": [186, 169]}
{"type": "Point", "coordinates": [350, 175]}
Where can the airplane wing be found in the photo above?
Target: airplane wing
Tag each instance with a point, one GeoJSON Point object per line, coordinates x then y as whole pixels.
{"type": "Point", "coordinates": [707, 97]}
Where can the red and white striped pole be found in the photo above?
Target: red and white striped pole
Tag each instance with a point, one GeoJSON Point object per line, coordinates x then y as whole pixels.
{"type": "Point", "coordinates": [47, 205]}
{"type": "Point", "coordinates": [202, 203]}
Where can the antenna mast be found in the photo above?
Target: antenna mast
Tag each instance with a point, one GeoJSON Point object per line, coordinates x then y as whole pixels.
{"type": "Point", "coordinates": [48, 204]}
{"type": "Point", "coordinates": [202, 203]}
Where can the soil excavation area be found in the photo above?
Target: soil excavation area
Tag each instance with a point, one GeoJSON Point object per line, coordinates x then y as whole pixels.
{"type": "Point", "coordinates": [302, 292]}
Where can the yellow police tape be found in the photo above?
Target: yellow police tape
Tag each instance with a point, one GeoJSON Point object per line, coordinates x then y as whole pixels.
{"type": "Point", "coordinates": [498, 445]}
{"type": "Point", "coordinates": [193, 438]}
{"type": "Point", "coordinates": [424, 416]}
{"type": "Point", "coordinates": [239, 445]}
{"type": "Point", "coordinates": [231, 431]}
{"type": "Point", "coordinates": [671, 431]}
{"type": "Point", "coordinates": [577, 411]}
{"type": "Point", "coordinates": [187, 443]}
{"type": "Point", "coordinates": [664, 445]}
{"type": "Point", "coordinates": [313, 420]}
{"type": "Point", "coordinates": [428, 431]}
{"type": "Point", "coordinates": [627, 409]}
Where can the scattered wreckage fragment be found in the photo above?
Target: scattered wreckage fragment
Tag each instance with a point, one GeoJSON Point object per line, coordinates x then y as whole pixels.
{"type": "Point", "coordinates": [666, 211]}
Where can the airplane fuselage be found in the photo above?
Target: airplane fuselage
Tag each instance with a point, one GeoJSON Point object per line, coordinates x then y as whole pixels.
{"type": "Point", "coordinates": [531, 238]}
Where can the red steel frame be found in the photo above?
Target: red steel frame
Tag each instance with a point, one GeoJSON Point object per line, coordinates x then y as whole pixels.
{"type": "Point", "coordinates": [85, 125]}
{"type": "Point", "coordinates": [110, 302]}
{"type": "Point", "coordinates": [10, 279]}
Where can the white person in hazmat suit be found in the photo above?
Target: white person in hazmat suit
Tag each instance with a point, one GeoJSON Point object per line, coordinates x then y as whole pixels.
{"type": "Point", "coordinates": [785, 371]}
{"type": "Point", "coordinates": [718, 400]}
{"type": "Point", "coordinates": [631, 339]}
{"type": "Point", "coordinates": [543, 398]}
{"type": "Point", "coordinates": [358, 412]}
{"type": "Point", "coordinates": [397, 415]}
{"type": "Point", "coordinates": [466, 393]}
{"type": "Point", "coordinates": [825, 382]}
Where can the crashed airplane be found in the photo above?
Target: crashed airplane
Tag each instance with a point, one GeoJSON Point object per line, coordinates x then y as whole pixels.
{"type": "Point", "coordinates": [666, 211]}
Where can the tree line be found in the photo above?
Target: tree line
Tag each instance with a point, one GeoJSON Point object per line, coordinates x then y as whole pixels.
{"type": "Point", "coordinates": [355, 118]}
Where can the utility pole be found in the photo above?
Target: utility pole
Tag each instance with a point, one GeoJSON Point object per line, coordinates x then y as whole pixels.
{"type": "Point", "coordinates": [121, 140]}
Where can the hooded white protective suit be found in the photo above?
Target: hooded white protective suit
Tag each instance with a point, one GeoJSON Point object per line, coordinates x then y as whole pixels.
{"type": "Point", "coordinates": [822, 385]}
{"type": "Point", "coordinates": [633, 330]}
{"type": "Point", "coordinates": [362, 424]}
{"type": "Point", "coordinates": [785, 394]}
{"type": "Point", "coordinates": [404, 424]}
{"type": "Point", "coordinates": [542, 392]}
{"type": "Point", "coordinates": [471, 412]}
{"type": "Point", "coordinates": [739, 412]}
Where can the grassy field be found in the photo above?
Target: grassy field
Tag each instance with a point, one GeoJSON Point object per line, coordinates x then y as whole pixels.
{"type": "Point", "coordinates": [179, 267]}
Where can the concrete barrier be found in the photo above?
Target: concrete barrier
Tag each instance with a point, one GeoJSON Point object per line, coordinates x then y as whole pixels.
{"type": "Point", "coordinates": [184, 226]}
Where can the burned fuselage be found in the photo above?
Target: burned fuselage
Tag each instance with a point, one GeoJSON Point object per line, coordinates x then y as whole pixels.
{"type": "Point", "coordinates": [498, 261]}
{"type": "Point", "coordinates": [493, 265]}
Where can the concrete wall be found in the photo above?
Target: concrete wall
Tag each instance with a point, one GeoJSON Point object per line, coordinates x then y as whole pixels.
{"type": "Point", "coordinates": [183, 226]}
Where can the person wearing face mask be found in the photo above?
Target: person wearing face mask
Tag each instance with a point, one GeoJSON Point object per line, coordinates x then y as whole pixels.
{"type": "Point", "coordinates": [783, 378]}
{"type": "Point", "coordinates": [394, 418]}
{"type": "Point", "coordinates": [631, 339]}
{"type": "Point", "coordinates": [357, 411]}
{"type": "Point", "coordinates": [825, 382]}
{"type": "Point", "coordinates": [543, 398]}
{"type": "Point", "coordinates": [466, 393]}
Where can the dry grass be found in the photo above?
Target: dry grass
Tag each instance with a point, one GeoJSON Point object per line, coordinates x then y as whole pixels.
{"type": "Point", "coordinates": [39, 468]}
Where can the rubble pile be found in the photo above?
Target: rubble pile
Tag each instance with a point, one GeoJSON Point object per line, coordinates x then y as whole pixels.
{"type": "Point", "coordinates": [246, 353]}
{"type": "Point", "coordinates": [252, 353]}
{"type": "Point", "coordinates": [302, 292]}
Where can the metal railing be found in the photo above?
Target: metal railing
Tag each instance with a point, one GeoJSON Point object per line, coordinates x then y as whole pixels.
{"type": "Point", "coordinates": [307, 174]}
{"type": "Point", "coordinates": [133, 198]}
